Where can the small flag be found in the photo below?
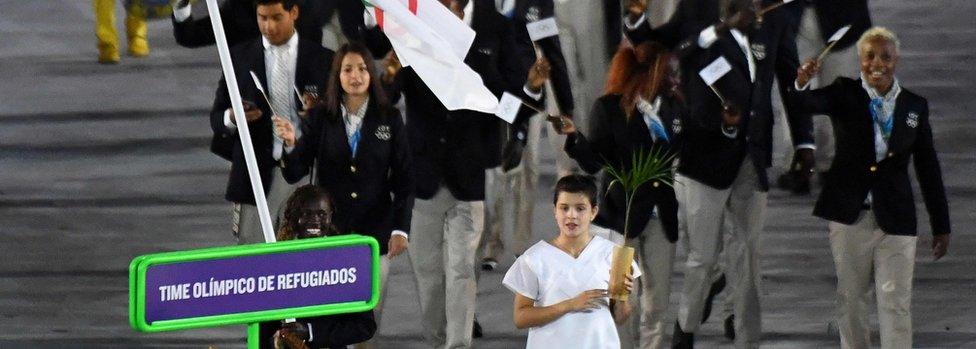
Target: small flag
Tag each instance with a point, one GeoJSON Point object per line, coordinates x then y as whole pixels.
{"type": "Point", "coordinates": [508, 107]}
{"type": "Point", "coordinates": [542, 29]}
{"type": "Point", "coordinates": [839, 34]}
{"type": "Point", "coordinates": [714, 71]}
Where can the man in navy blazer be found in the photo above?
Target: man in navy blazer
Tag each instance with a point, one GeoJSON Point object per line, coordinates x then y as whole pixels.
{"type": "Point", "coordinates": [867, 196]}
{"type": "Point", "coordinates": [451, 151]}
{"type": "Point", "coordinates": [304, 66]}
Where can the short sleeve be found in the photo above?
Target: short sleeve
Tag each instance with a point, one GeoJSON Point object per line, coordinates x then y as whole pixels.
{"type": "Point", "coordinates": [521, 279]}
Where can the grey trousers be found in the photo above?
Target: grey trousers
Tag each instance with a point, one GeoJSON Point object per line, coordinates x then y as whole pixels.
{"type": "Point", "coordinates": [704, 212]}
{"type": "Point", "coordinates": [655, 255]}
{"type": "Point", "coordinates": [378, 310]}
{"type": "Point", "coordinates": [444, 237]}
{"type": "Point", "coordinates": [246, 219]}
{"type": "Point", "coordinates": [862, 251]}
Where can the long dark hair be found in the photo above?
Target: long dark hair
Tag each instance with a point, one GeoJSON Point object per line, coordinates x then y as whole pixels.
{"type": "Point", "coordinates": [334, 93]}
{"type": "Point", "coordinates": [293, 211]}
{"type": "Point", "coordinates": [641, 71]}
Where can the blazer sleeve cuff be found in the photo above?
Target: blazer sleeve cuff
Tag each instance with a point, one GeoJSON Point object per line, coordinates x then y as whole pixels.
{"type": "Point", "coordinates": [401, 233]}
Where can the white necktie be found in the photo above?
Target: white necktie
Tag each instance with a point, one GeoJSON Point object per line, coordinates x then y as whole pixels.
{"type": "Point", "coordinates": [281, 99]}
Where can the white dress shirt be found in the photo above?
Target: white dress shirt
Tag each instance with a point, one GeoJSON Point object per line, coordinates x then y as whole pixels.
{"type": "Point", "coordinates": [290, 55]}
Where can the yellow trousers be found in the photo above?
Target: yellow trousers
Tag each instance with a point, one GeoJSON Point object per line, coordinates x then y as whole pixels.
{"type": "Point", "coordinates": [108, 38]}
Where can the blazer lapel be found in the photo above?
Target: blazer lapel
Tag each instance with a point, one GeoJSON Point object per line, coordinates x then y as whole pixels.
{"type": "Point", "coordinates": [302, 66]}
{"type": "Point", "coordinates": [639, 132]}
{"type": "Point", "coordinates": [734, 53]}
{"type": "Point", "coordinates": [902, 119]}
{"type": "Point", "coordinates": [336, 138]}
{"type": "Point", "coordinates": [367, 130]}
{"type": "Point", "coordinates": [259, 69]}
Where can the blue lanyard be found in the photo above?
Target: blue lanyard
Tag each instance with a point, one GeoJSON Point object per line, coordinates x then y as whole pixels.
{"type": "Point", "coordinates": [354, 140]}
{"type": "Point", "coordinates": [658, 130]}
{"type": "Point", "coordinates": [877, 108]}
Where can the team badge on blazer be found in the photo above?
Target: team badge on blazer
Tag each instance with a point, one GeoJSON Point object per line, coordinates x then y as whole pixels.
{"type": "Point", "coordinates": [676, 126]}
{"type": "Point", "coordinates": [912, 120]}
{"type": "Point", "coordinates": [759, 51]}
{"type": "Point", "coordinates": [532, 14]}
{"type": "Point", "coordinates": [383, 132]}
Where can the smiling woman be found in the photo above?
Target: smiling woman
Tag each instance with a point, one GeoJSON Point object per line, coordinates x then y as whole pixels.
{"type": "Point", "coordinates": [867, 197]}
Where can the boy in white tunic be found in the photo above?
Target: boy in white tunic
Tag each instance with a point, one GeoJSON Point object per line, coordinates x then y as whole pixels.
{"type": "Point", "coordinates": [561, 285]}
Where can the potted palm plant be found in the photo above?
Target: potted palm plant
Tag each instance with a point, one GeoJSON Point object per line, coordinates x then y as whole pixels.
{"type": "Point", "coordinates": [645, 167]}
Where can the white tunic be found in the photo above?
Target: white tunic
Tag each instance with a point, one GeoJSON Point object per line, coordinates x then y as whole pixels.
{"type": "Point", "coordinates": [548, 275]}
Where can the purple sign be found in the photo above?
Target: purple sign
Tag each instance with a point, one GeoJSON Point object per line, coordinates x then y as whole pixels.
{"type": "Point", "coordinates": [255, 283]}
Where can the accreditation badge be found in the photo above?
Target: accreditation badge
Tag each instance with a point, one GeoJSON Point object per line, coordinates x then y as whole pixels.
{"type": "Point", "coordinates": [383, 132]}
{"type": "Point", "coordinates": [759, 51]}
{"type": "Point", "coordinates": [532, 14]}
{"type": "Point", "coordinates": [912, 120]}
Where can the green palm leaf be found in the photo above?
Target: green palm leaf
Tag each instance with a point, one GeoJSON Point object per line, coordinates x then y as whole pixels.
{"type": "Point", "coordinates": [646, 166]}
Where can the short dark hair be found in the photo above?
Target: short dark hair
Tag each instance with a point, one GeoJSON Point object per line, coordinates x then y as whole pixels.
{"type": "Point", "coordinates": [286, 4]}
{"type": "Point", "coordinates": [576, 184]}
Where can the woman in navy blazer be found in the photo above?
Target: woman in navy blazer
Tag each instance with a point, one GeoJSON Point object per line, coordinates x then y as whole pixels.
{"type": "Point", "coordinates": [356, 144]}
{"type": "Point", "coordinates": [867, 197]}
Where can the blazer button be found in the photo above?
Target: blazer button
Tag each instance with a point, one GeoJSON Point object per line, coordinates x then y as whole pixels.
{"type": "Point", "coordinates": [890, 154]}
{"type": "Point", "coordinates": [656, 184]}
{"type": "Point", "coordinates": [352, 169]}
{"type": "Point", "coordinates": [354, 195]}
{"type": "Point", "coordinates": [443, 140]}
{"type": "Point", "coordinates": [873, 168]}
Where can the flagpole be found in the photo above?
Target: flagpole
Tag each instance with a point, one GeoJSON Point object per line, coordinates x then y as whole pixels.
{"type": "Point", "coordinates": [242, 127]}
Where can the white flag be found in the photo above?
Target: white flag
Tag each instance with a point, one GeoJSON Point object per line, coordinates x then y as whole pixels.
{"type": "Point", "coordinates": [839, 34]}
{"type": "Point", "coordinates": [508, 107]}
{"type": "Point", "coordinates": [716, 70]}
{"type": "Point", "coordinates": [433, 41]}
{"type": "Point", "coordinates": [542, 29]}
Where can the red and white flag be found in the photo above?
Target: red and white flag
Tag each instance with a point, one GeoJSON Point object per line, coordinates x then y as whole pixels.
{"type": "Point", "coordinates": [432, 40]}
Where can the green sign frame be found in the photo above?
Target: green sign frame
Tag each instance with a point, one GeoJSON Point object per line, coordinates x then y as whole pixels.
{"type": "Point", "coordinates": [140, 264]}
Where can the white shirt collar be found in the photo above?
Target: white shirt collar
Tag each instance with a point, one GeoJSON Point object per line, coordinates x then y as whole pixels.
{"type": "Point", "coordinates": [504, 6]}
{"type": "Point", "coordinates": [872, 93]}
{"type": "Point", "coordinates": [468, 11]}
{"type": "Point", "coordinates": [649, 107]}
{"type": "Point", "coordinates": [291, 44]}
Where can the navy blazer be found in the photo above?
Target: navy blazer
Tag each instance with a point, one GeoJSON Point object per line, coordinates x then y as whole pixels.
{"type": "Point", "coordinates": [855, 171]}
{"type": "Point", "coordinates": [708, 156]}
{"type": "Point", "coordinates": [613, 140]}
{"type": "Point", "coordinates": [372, 191]}
{"type": "Point", "coordinates": [311, 72]}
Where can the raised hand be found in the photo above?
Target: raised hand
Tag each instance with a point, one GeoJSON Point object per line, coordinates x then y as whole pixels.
{"type": "Point", "coordinates": [636, 8]}
{"type": "Point", "coordinates": [538, 74]}
{"type": "Point", "coordinates": [563, 125]}
{"type": "Point", "coordinates": [284, 129]}
{"type": "Point", "coordinates": [391, 66]}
